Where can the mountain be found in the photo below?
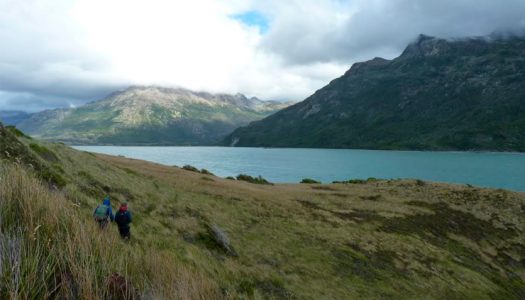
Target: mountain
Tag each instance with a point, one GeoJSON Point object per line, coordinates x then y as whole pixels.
{"type": "Point", "coordinates": [150, 115]}
{"type": "Point", "coordinates": [13, 117]}
{"type": "Point", "coordinates": [460, 94]}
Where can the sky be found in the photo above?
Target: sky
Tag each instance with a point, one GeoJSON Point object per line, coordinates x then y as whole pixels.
{"type": "Point", "coordinates": [63, 53]}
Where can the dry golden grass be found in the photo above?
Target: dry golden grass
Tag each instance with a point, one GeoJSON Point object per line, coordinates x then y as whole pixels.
{"type": "Point", "coordinates": [50, 248]}
{"type": "Point", "coordinates": [377, 239]}
{"type": "Point", "coordinates": [309, 228]}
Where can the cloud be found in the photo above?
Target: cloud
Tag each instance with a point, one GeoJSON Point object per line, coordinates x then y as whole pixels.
{"type": "Point", "coordinates": [347, 31]}
{"type": "Point", "coordinates": [31, 102]}
{"type": "Point", "coordinates": [57, 53]}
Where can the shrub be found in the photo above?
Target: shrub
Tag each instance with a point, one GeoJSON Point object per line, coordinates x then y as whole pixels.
{"type": "Point", "coordinates": [310, 181]}
{"type": "Point", "coordinates": [193, 169]}
{"type": "Point", "coordinates": [17, 132]}
{"type": "Point", "coordinates": [230, 178]}
{"type": "Point", "coordinates": [352, 181]}
{"type": "Point", "coordinates": [190, 168]}
{"type": "Point", "coordinates": [53, 178]}
{"type": "Point", "coordinates": [44, 152]}
{"type": "Point", "coordinates": [206, 172]}
{"type": "Point", "coordinates": [250, 179]}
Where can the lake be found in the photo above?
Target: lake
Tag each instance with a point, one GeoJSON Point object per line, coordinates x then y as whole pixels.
{"type": "Point", "coordinates": [487, 169]}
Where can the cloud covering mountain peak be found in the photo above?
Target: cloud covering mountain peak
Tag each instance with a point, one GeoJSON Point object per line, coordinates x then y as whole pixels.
{"type": "Point", "coordinates": [63, 53]}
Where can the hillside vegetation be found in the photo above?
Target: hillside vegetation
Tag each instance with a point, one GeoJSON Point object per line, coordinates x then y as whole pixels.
{"type": "Point", "coordinates": [464, 94]}
{"type": "Point", "coordinates": [199, 236]}
{"type": "Point", "coordinates": [148, 115]}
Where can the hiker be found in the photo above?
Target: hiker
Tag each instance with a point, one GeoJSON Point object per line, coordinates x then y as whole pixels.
{"type": "Point", "coordinates": [103, 213]}
{"type": "Point", "coordinates": [123, 218]}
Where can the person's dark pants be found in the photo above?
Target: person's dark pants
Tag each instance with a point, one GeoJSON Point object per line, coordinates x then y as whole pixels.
{"type": "Point", "coordinates": [103, 223]}
{"type": "Point", "coordinates": [124, 233]}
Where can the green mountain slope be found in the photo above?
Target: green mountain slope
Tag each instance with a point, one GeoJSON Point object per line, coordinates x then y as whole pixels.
{"type": "Point", "coordinates": [465, 94]}
{"type": "Point", "coordinates": [150, 115]}
{"type": "Point", "coordinates": [395, 239]}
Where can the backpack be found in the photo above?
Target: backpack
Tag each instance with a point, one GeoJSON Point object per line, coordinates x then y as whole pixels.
{"type": "Point", "coordinates": [101, 213]}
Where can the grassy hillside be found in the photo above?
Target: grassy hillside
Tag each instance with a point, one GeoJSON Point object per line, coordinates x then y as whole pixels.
{"type": "Point", "coordinates": [367, 239]}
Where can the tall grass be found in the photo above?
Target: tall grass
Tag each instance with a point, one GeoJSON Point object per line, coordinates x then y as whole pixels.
{"type": "Point", "coordinates": [50, 248]}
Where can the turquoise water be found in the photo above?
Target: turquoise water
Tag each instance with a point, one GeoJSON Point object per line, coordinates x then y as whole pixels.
{"type": "Point", "coordinates": [499, 170]}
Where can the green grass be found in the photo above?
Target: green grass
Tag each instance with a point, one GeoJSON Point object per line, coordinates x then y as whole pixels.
{"type": "Point", "coordinates": [376, 239]}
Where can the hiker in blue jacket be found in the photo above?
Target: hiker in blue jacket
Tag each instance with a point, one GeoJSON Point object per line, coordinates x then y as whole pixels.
{"type": "Point", "coordinates": [103, 213]}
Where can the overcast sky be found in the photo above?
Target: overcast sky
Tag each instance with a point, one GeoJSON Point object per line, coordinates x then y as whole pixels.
{"type": "Point", "coordinates": [58, 53]}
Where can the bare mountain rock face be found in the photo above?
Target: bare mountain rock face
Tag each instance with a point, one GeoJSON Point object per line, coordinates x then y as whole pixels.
{"type": "Point", "coordinates": [150, 116]}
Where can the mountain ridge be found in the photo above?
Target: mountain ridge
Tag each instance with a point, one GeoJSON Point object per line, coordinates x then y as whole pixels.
{"type": "Point", "coordinates": [13, 117]}
{"type": "Point", "coordinates": [439, 94]}
{"type": "Point", "coordinates": [150, 115]}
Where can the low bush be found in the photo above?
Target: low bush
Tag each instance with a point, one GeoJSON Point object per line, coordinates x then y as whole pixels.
{"type": "Point", "coordinates": [190, 168]}
{"type": "Point", "coordinates": [206, 172]}
{"type": "Point", "coordinates": [193, 169]}
{"type": "Point", "coordinates": [17, 132]}
{"type": "Point", "coordinates": [352, 181]}
{"type": "Point", "coordinates": [53, 178]}
{"type": "Point", "coordinates": [420, 182]}
{"type": "Point", "coordinates": [310, 181]}
{"type": "Point", "coordinates": [358, 181]}
{"type": "Point", "coordinates": [44, 152]}
{"type": "Point", "coordinates": [250, 179]}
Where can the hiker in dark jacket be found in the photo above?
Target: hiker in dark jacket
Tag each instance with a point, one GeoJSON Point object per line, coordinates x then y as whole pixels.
{"type": "Point", "coordinates": [123, 218]}
{"type": "Point", "coordinates": [103, 213]}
